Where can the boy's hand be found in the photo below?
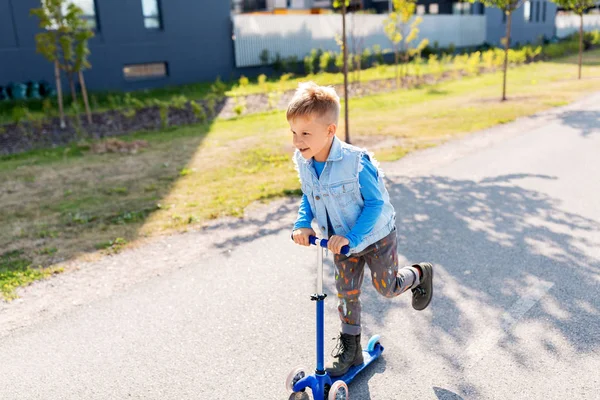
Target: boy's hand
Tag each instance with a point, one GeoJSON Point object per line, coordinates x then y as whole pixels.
{"type": "Point", "coordinates": [336, 243]}
{"type": "Point", "coordinates": [301, 235]}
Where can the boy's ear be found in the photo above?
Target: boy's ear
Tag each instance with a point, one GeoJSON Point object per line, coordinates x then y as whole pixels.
{"type": "Point", "coordinates": [331, 130]}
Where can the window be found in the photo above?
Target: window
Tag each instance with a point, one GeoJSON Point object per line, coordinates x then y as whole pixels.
{"type": "Point", "coordinates": [461, 8]}
{"type": "Point", "coordinates": [145, 71]}
{"type": "Point", "coordinates": [527, 11]}
{"type": "Point", "coordinates": [544, 11]}
{"type": "Point", "coordinates": [151, 11]}
{"type": "Point", "coordinates": [434, 8]}
{"type": "Point", "coordinates": [87, 6]}
{"type": "Point", "coordinates": [89, 11]}
{"type": "Point", "coordinates": [504, 16]}
{"type": "Point", "coordinates": [537, 11]}
{"type": "Point", "coordinates": [420, 9]}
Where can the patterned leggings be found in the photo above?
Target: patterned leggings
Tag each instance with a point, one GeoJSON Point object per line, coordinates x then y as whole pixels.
{"type": "Point", "coordinates": [382, 258]}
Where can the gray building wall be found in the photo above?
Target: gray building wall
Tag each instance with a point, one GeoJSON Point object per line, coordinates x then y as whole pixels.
{"type": "Point", "coordinates": [195, 42]}
{"type": "Point", "coordinates": [522, 31]}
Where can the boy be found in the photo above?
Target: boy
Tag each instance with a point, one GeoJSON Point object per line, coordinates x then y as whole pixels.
{"type": "Point", "coordinates": [344, 191]}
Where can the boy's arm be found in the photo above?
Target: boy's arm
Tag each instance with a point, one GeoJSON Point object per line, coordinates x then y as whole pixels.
{"type": "Point", "coordinates": [369, 189]}
{"type": "Point", "coordinates": [305, 215]}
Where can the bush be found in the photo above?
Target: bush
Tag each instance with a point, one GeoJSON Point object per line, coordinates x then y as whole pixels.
{"type": "Point", "coordinates": [240, 105]}
{"type": "Point", "coordinates": [473, 63]}
{"type": "Point", "coordinates": [264, 57]}
{"type": "Point", "coordinates": [244, 81]}
{"type": "Point", "coordinates": [365, 58]}
{"type": "Point", "coordinates": [488, 58]}
{"type": "Point", "coordinates": [532, 54]}
{"type": "Point", "coordinates": [262, 81]}
{"type": "Point", "coordinates": [339, 61]}
{"type": "Point", "coordinates": [378, 54]}
{"type": "Point", "coordinates": [326, 61]}
{"type": "Point", "coordinates": [311, 61]}
{"type": "Point", "coordinates": [516, 57]}
{"type": "Point", "coordinates": [591, 39]}
{"type": "Point", "coordinates": [179, 102]}
{"type": "Point", "coordinates": [199, 112]}
{"type": "Point", "coordinates": [554, 50]}
{"type": "Point", "coordinates": [279, 64]}
{"type": "Point", "coordinates": [460, 63]}
{"type": "Point", "coordinates": [218, 88]}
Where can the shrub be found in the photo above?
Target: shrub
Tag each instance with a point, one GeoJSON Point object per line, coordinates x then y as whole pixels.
{"type": "Point", "coordinates": [473, 62]}
{"type": "Point", "coordinates": [365, 58]}
{"type": "Point", "coordinates": [240, 105]}
{"type": "Point", "coordinates": [325, 61]}
{"type": "Point", "coordinates": [244, 81]}
{"type": "Point", "coordinates": [199, 112]}
{"type": "Point", "coordinates": [264, 57]}
{"type": "Point", "coordinates": [262, 81]}
{"type": "Point", "coordinates": [488, 58]}
{"type": "Point", "coordinates": [378, 55]}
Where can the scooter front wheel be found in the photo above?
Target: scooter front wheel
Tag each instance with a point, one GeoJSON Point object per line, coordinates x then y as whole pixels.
{"type": "Point", "coordinates": [338, 391]}
{"type": "Point", "coordinates": [293, 377]}
{"type": "Point", "coordinates": [373, 342]}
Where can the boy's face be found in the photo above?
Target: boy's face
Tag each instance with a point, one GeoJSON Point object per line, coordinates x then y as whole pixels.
{"type": "Point", "coordinates": [312, 137]}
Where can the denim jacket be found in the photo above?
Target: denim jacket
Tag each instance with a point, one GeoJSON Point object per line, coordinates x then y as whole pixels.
{"type": "Point", "coordinates": [337, 192]}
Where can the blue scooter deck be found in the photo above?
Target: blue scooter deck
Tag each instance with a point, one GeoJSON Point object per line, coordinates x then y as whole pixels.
{"type": "Point", "coordinates": [368, 357]}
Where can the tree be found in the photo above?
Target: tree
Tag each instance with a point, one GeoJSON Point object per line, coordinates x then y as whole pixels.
{"type": "Point", "coordinates": [508, 7]}
{"type": "Point", "coordinates": [579, 7]}
{"type": "Point", "coordinates": [401, 31]}
{"type": "Point", "coordinates": [344, 4]}
{"type": "Point", "coordinates": [64, 42]}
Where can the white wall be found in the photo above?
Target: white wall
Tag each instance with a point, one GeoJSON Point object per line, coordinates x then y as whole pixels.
{"type": "Point", "coordinates": [297, 35]}
{"type": "Point", "coordinates": [567, 24]}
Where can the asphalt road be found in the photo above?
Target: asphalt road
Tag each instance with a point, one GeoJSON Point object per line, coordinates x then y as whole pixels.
{"type": "Point", "coordinates": [509, 216]}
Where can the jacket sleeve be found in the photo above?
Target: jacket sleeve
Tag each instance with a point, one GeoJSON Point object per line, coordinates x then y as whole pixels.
{"type": "Point", "coordinates": [368, 178]}
{"type": "Point", "coordinates": [305, 215]}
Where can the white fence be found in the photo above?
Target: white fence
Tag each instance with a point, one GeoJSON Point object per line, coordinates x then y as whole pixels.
{"type": "Point", "coordinates": [567, 24]}
{"type": "Point", "coordinates": [297, 35]}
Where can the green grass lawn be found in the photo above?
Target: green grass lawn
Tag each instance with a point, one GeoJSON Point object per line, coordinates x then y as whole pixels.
{"type": "Point", "coordinates": [64, 203]}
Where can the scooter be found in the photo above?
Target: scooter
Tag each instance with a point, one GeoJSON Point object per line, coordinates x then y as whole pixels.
{"type": "Point", "coordinates": [323, 386]}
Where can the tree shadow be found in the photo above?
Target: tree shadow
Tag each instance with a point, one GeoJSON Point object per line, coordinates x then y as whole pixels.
{"type": "Point", "coordinates": [108, 194]}
{"type": "Point", "coordinates": [493, 242]}
{"type": "Point", "coordinates": [588, 122]}
{"type": "Point", "coordinates": [444, 394]}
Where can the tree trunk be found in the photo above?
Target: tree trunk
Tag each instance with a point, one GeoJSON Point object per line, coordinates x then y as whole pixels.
{"type": "Point", "coordinates": [85, 97]}
{"type": "Point", "coordinates": [396, 59]}
{"type": "Point", "coordinates": [506, 47]}
{"type": "Point", "coordinates": [347, 138]}
{"type": "Point", "coordinates": [61, 111]}
{"type": "Point", "coordinates": [72, 85]}
{"type": "Point", "coordinates": [580, 43]}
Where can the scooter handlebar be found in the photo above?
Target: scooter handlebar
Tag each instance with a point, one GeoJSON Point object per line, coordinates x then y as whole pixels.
{"type": "Point", "coordinates": [323, 243]}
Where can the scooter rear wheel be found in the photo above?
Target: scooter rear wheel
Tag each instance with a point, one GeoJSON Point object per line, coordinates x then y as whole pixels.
{"type": "Point", "coordinates": [338, 391]}
{"type": "Point", "coordinates": [293, 377]}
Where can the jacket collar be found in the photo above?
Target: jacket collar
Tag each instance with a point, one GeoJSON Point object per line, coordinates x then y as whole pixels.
{"type": "Point", "coordinates": [335, 153]}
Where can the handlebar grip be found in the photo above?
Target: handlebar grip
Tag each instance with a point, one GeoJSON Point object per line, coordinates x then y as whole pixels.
{"type": "Point", "coordinates": [323, 243]}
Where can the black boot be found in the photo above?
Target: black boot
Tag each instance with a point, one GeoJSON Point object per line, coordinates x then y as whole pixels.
{"type": "Point", "coordinates": [347, 353]}
{"type": "Point", "coordinates": [424, 291]}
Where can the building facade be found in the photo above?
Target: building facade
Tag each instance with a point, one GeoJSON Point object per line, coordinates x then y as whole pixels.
{"type": "Point", "coordinates": [138, 43]}
{"type": "Point", "coordinates": [151, 43]}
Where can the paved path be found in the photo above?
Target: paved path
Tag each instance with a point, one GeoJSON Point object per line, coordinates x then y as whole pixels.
{"type": "Point", "coordinates": [510, 217]}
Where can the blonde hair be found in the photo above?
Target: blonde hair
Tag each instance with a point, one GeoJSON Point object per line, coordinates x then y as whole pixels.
{"type": "Point", "coordinates": [312, 99]}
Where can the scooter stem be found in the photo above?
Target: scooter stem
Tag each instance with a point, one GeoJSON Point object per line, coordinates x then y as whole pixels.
{"type": "Point", "coordinates": [319, 269]}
